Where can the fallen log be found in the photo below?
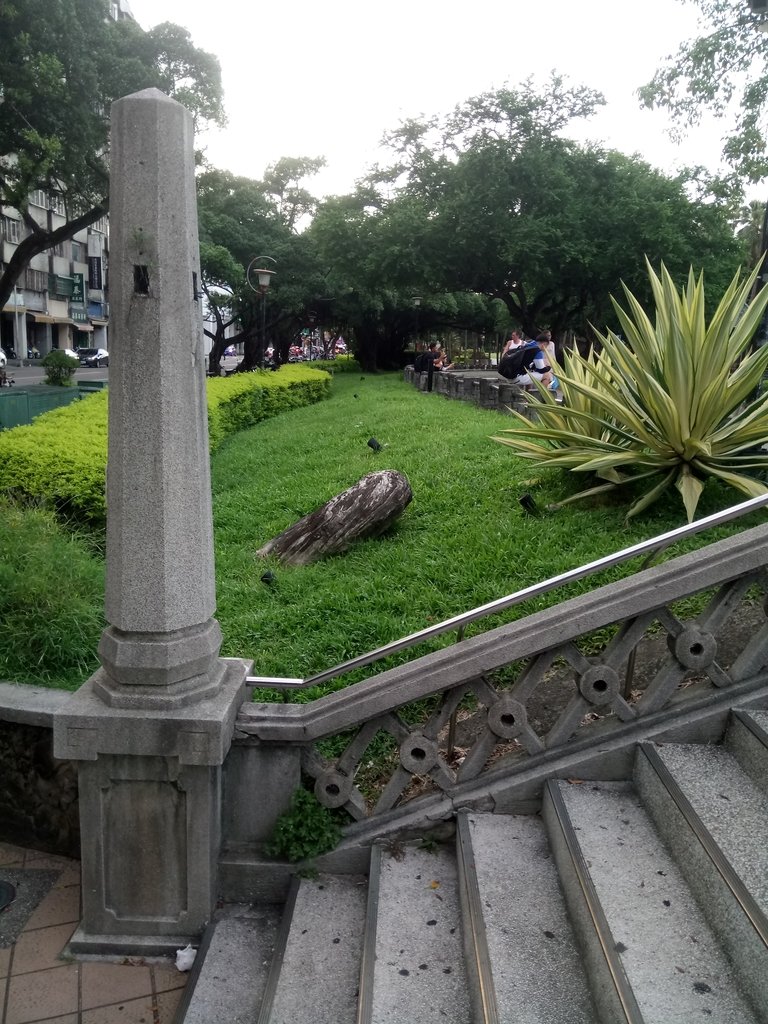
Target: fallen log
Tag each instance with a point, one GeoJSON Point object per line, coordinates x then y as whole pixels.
{"type": "Point", "coordinates": [364, 510]}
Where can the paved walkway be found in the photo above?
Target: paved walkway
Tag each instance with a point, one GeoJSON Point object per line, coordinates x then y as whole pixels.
{"type": "Point", "coordinates": [38, 984]}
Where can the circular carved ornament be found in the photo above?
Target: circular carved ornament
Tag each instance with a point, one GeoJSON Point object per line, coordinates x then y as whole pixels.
{"type": "Point", "coordinates": [693, 648]}
{"type": "Point", "coordinates": [418, 754]}
{"type": "Point", "coordinates": [507, 718]}
{"type": "Point", "coordinates": [599, 685]}
{"type": "Point", "coordinates": [333, 788]}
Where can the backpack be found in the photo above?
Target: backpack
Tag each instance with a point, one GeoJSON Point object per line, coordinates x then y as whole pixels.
{"type": "Point", "coordinates": [515, 363]}
{"type": "Point", "coordinates": [420, 363]}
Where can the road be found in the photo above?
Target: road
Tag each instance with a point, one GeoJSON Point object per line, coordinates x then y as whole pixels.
{"type": "Point", "coordinates": [36, 374]}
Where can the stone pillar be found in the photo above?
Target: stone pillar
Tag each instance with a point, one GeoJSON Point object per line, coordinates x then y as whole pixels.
{"type": "Point", "coordinates": [150, 730]}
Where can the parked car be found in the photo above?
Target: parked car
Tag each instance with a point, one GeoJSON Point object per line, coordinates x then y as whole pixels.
{"type": "Point", "coordinates": [71, 353]}
{"type": "Point", "coordinates": [93, 356]}
{"type": "Point", "coordinates": [3, 359]}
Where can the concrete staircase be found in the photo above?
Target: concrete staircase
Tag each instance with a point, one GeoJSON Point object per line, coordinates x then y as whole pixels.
{"type": "Point", "coordinates": [641, 901]}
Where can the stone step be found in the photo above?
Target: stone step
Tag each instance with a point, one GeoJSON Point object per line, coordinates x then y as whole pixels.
{"type": "Point", "coordinates": [413, 962]}
{"type": "Point", "coordinates": [714, 820]}
{"type": "Point", "coordinates": [315, 971]}
{"type": "Point", "coordinates": [521, 954]}
{"type": "Point", "coordinates": [231, 968]}
{"type": "Point", "coordinates": [650, 953]}
{"type": "Point", "coordinates": [747, 739]}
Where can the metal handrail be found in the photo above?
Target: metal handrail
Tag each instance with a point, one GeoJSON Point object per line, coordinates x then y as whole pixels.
{"type": "Point", "coordinates": [459, 622]}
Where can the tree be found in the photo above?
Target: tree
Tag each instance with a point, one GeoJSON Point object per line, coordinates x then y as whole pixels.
{"type": "Point", "coordinates": [724, 70]}
{"type": "Point", "coordinates": [61, 66]}
{"type": "Point", "coordinates": [240, 219]}
{"type": "Point", "coordinates": [491, 201]}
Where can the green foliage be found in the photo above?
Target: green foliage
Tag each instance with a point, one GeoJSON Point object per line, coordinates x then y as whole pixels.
{"type": "Point", "coordinates": [723, 70]}
{"type": "Point", "coordinates": [341, 364]}
{"type": "Point", "coordinates": [305, 830]}
{"type": "Point", "coordinates": [672, 405]}
{"type": "Point", "coordinates": [455, 547]}
{"type": "Point", "coordinates": [59, 368]}
{"type": "Point", "coordinates": [51, 596]}
{"type": "Point", "coordinates": [245, 399]}
{"type": "Point", "coordinates": [61, 66]}
{"type": "Point", "coordinates": [60, 458]}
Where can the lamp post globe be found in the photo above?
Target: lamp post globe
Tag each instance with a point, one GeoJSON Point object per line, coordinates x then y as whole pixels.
{"type": "Point", "coordinates": [258, 276]}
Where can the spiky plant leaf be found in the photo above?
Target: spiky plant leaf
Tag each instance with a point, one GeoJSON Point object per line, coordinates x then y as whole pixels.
{"type": "Point", "coordinates": [671, 402]}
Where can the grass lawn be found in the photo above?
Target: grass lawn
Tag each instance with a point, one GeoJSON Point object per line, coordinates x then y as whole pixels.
{"type": "Point", "coordinates": [462, 542]}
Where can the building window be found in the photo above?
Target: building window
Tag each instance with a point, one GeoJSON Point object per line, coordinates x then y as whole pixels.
{"type": "Point", "coordinates": [39, 198]}
{"type": "Point", "coordinates": [57, 204]}
{"type": "Point", "coordinates": [58, 249]}
{"type": "Point", "coordinates": [36, 281]}
{"type": "Point", "coordinates": [78, 252]}
{"type": "Point", "coordinates": [11, 229]}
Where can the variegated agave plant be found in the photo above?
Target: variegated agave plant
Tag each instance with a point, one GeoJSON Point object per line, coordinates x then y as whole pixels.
{"type": "Point", "coordinates": [672, 404]}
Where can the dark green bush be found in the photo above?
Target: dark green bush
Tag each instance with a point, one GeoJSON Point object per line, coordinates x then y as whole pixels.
{"type": "Point", "coordinates": [59, 368]}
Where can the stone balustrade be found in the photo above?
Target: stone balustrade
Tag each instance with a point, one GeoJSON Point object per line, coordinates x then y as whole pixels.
{"type": "Point", "coordinates": [485, 388]}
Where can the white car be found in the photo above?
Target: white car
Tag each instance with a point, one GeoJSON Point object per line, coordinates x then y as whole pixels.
{"type": "Point", "coordinates": [3, 359]}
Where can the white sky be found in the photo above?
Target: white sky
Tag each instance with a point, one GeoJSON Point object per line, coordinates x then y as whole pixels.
{"type": "Point", "coordinates": [310, 78]}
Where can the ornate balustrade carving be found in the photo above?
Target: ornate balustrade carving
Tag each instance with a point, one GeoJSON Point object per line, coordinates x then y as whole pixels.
{"type": "Point", "coordinates": [502, 715]}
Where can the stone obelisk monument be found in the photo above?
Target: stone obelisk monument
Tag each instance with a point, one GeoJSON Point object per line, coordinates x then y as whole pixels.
{"type": "Point", "coordinates": [151, 728]}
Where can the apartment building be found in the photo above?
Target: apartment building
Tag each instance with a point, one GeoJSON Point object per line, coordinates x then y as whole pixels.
{"type": "Point", "coordinates": [61, 300]}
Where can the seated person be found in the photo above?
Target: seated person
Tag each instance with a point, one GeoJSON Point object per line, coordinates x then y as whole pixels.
{"type": "Point", "coordinates": [440, 362]}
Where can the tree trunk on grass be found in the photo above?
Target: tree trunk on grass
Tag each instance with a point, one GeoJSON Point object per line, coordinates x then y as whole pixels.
{"type": "Point", "coordinates": [364, 510]}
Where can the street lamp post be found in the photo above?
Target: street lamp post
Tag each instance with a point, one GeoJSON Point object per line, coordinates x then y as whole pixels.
{"type": "Point", "coordinates": [263, 275]}
{"type": "Point", "coordinates": [416, 303]}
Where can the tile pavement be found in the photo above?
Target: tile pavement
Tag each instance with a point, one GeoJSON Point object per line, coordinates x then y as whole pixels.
{"type": "Point", "coordinates": [40, 986]}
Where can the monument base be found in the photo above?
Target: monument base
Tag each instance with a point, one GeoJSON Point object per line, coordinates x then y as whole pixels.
{"type": "Point", "coordinates": [150, 788]}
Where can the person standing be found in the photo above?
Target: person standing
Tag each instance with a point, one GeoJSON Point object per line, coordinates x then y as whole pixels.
{"type": "Point", "coordinates": [515, 341]}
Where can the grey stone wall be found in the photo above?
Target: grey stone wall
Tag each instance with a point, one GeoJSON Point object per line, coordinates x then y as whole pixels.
{"type": "Point", "coordinates": [38, 793]}
{"type": "Point", "coordinates": [485, 388]}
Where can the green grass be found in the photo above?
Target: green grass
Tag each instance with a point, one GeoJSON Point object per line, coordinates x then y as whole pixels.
{"type": "Point", "coordinates": [51, 598]}
{"type": "Point", "coordinates": [462, 542]}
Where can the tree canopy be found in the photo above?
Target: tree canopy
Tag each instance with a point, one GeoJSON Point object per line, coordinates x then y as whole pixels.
{"type": "Point", "coordinates": [491, 205]}
{"type": "Point", "coordinates": [723, 70]}
{"type": "Point", "coordinates": [61, 66]}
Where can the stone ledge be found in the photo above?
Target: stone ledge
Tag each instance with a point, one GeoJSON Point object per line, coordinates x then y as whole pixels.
{"type": "Point", "coordinates": [30, 705]}
{"type": "Point", "coordinates": [198, 734]}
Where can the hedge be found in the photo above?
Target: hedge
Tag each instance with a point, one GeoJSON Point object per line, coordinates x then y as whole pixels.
{"type": "Point", "coordinates": [60, 458]}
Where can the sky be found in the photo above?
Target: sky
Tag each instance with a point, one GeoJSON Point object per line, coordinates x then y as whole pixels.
{"type": "Point", "coordinates": [303, 78]}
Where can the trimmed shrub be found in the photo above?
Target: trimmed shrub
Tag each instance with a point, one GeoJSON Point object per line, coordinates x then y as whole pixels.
{"type": "Point", "coordinates": [60, 459]}
{"type": "Point", "coordinates": [244, 399]}
{"type": "Point", "coordinates": [59, 368]}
